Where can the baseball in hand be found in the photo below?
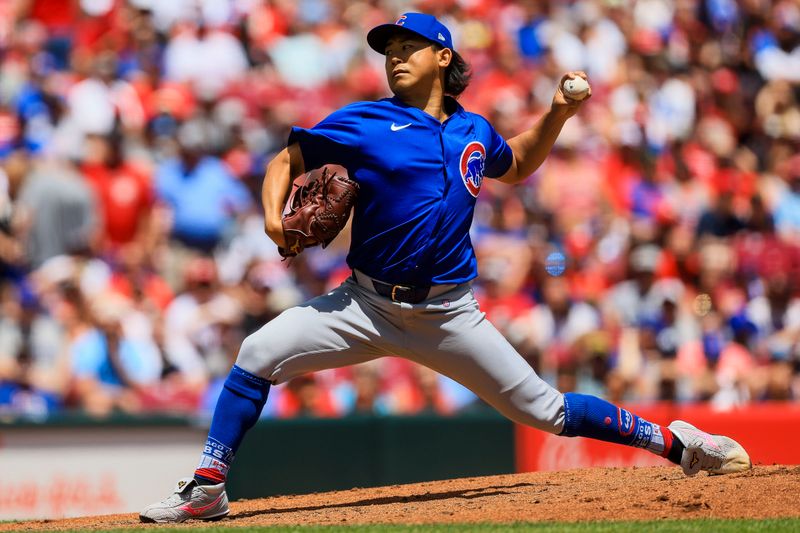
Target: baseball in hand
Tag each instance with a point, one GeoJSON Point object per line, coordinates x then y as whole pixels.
{"type": "Point", "coordinates": [576, 88]}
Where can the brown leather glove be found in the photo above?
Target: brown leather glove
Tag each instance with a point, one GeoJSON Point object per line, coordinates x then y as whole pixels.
{"type": "Point", "coordinates": [318, 211]}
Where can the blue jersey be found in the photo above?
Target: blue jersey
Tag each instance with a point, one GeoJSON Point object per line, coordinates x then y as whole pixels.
{"type": "Point", "coordinates": [419, 179]}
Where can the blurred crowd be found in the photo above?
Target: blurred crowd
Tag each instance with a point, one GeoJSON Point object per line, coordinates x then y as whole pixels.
{"type": "Point", "coordinates": [655, 256]}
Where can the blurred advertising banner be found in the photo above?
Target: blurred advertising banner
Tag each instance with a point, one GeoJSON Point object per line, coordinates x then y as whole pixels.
{"type": "Point", "coordinates": [80, 467]}
{"type": "Point", "coordinates": [767, 432]}
{"type": "Point", "coordinates": [48, 472]}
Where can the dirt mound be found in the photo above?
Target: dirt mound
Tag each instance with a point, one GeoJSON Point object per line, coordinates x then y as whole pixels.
{"type": "Point", "coordinates": [576, 495]}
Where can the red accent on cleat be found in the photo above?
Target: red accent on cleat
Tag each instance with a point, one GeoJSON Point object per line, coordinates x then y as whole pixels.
{"type": "Point", "coordinates": [667, 440]}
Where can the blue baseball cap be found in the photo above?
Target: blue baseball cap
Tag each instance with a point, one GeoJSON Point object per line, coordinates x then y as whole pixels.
{"type": "Point", "coordinates": [426, 26]}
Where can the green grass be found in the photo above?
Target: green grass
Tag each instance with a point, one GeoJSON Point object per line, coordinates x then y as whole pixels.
{"type": "Point", "coordinates": [677, 526]}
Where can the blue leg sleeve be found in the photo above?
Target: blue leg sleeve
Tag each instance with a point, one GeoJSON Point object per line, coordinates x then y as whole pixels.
{"type": "Point", "coordinates": [589, 416]}
{"type": "Point", "coordinates": [238, 408]}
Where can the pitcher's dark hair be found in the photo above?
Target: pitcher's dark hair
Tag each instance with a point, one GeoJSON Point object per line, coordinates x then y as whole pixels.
{"type": "Point", "coordinates": [457, 75]}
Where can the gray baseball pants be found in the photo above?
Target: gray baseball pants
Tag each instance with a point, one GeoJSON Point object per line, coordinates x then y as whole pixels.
{"type": "Point", "coordinates": [447, 333]}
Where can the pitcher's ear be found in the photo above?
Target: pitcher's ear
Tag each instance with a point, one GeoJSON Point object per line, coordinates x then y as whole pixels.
{"type": "Point", "coordinates": [445, 56]}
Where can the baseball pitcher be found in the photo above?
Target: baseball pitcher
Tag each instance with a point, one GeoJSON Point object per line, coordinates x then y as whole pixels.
{"type": "Point", "coordinates": [416, 163]}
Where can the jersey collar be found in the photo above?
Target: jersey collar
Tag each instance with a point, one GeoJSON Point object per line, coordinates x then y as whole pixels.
{"type": "Point", "coordinates": [449, 102]}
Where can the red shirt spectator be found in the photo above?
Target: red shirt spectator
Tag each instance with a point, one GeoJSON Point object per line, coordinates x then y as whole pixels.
{"type": "Point", "coordinates": [125, 195]}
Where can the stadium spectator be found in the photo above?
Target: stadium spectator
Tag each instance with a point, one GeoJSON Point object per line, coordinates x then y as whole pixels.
{"type": "Point", "coordinates": [553, 329]}
{"type": "Point", "coordinates": [31, 369]}
{"type": "Point", "coordinates": [123, 191]}
{"type": "Point", "coordinates": [112, 358]}
{"type": "Point", "coordinates": [196, 323]}
{"type": "Point", "coordinates": [58, 212]}
{"type": "Point", "coordinates": [200, 191]}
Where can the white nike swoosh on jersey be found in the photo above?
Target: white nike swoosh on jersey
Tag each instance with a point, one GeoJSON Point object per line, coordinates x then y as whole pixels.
{"type": "Point", "coordinates": [395, 127]}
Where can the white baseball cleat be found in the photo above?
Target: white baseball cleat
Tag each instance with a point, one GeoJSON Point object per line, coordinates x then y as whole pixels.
{"type": "Point", "coordinates": [189, 501]}
{"type": "Point", "coordinates": [715, 454]}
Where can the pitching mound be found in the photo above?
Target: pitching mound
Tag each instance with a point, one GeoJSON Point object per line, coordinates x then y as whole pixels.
{"type": "Point", "coordinates": [576, 495]}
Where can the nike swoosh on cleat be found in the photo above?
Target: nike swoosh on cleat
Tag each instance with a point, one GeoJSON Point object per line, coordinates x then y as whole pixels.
{"type": "Point", "coordinates": [194, 511]}
{"type": "Point", "coordinates": [395, 127]}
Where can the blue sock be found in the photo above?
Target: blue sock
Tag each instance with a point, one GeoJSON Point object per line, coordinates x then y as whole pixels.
{"type": "Point", "coordinates": [589, 416]}
{"type": "Point", "coordinates": [238, 408]}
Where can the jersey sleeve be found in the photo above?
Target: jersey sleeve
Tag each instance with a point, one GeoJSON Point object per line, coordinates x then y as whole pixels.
{"type": "Point", "coordinates": [335, 140]}
{"type": "Point", "coordinates": [498, 154]}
